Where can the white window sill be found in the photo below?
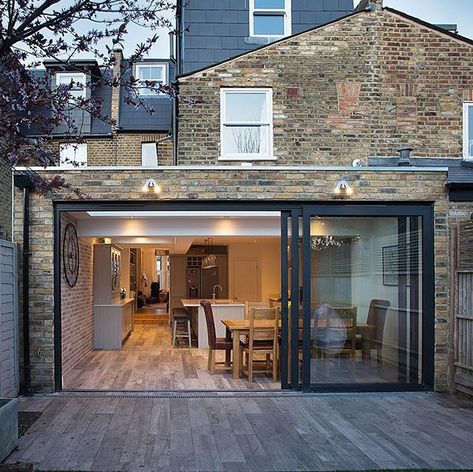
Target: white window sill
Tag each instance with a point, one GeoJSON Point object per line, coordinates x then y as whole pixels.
{"type": "Point", "coordinates": [247, 159]}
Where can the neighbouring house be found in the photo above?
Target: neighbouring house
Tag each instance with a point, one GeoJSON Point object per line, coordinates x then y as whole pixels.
{"type": "Point", "coordinates": [284, 188]}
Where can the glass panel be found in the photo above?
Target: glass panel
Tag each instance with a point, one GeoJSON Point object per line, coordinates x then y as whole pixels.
{"type": "Point", "coordinates": [245, 140]}
{"type": "Point", "coordinates": [269, 25]}
{"type": "Point", "coordinates": [246, 107]}
{"type": "Point", "coordinates": [270, 4]}
{"type": "Point", "coordinates": [366, 304]}
{"type": "Point", "coordinates": [156, 73]}
{"type": "Point", "coordinates": [470, 131]}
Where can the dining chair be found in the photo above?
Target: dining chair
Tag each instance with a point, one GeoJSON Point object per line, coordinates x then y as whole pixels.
{"type": "Point", "coordinates": [371, 336]}
{"type": "Point", "coordinates": [261, 342]}
{"type": "Point", "coordinates": [249, 305]}
{"type": "Point", "coordinates": [215, 344]}
{"type": "Point", "coordinates": [336, 331]}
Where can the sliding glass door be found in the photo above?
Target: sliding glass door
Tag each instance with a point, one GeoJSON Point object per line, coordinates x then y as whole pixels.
{"type": "Point", "coordinates": [357, 302]}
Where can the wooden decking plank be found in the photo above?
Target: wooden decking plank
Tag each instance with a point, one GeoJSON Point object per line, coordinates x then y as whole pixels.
{"type": "Point", "coordinates": [205, 447]}
{"type": "Point", "coordinates": [89, 442]}
{"type": "Point", "coordinates": [182, 448]}
{"type": "Point", "coordinates": [111, 447]}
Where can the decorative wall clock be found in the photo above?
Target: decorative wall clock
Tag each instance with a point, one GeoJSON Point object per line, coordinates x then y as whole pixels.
{"type": "Point", "coordinates": [70, 254]}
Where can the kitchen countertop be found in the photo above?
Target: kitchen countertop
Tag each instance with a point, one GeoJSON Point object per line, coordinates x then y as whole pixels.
{"type": "Point", "coordinates": [195, 302]}
{"type": "Point", "coordinates": [119, 303]}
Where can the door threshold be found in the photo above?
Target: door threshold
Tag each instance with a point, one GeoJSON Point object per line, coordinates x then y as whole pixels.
{"type": "Point", "coordinates": [257, 393]}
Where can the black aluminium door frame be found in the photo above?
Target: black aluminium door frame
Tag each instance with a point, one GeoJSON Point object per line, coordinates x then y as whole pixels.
{"type": "Point", "coordinates": [332, 208]}
{"type": "Point", "coordinates": [394, 209]}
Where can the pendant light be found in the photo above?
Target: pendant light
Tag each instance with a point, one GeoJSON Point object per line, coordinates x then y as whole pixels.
{"type": "Point", "coordinates": [210, 260]}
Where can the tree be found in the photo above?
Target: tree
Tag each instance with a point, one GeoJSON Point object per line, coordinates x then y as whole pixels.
{"type": "Point", "coordinates": [63, 30]}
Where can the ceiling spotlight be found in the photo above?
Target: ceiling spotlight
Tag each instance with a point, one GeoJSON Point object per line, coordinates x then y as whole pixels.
{"type": "Point", "coordinates": [151, 186]}
{"type": "Point", "coordinates": [343, 188]}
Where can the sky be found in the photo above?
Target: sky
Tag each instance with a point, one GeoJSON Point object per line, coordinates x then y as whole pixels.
{"type": "Point", "coordinates": [459, 12]}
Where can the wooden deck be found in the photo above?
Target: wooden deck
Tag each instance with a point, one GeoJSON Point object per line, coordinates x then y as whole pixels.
{"type": "Point", "coordinates": [149, 362]}
{"type": "Point", "coordinates": [325, 432]}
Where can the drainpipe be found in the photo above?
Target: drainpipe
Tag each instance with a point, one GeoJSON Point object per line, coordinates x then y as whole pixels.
{"type": "Point", "coordinates": [175, 120]}
{"type": "Point", "coordinates": [23, 182]}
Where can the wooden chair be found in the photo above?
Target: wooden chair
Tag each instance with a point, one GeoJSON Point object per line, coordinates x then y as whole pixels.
{"type": "Point", "coordinates": [249, 305]}
{"type": "Point", "coordinates": [371, 336]}
{"type": "Point", "coordinates": [215, 344]}
{"type": "Point", "coordinates": [261, 342]}
{"type": "Point", "coordinates": [338, 337]}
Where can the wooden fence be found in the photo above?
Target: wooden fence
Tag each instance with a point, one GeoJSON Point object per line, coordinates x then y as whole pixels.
{"type": "Point", "coordinates": [8, 320]}
{"type": "Point", "coordinates": [464, 309]}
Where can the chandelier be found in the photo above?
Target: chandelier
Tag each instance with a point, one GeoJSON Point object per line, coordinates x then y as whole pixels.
{"type": "Point", "coordinates": [317, 243]}
{"type": "Point", "coordinates": [210, 260]}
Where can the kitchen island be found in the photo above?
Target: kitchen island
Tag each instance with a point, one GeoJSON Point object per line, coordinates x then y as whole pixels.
{"type": "Point", "coordinates": [222, 310]}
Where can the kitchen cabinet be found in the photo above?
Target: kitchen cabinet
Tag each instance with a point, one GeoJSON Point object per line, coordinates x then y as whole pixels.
{"type": "Point", "coordinates": [113, 324]}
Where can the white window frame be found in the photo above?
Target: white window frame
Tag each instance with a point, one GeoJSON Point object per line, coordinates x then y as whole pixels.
{"type": "Point", "coordinates": [466, 153]}
{"type": "Point", "coordinates": [149, 151]}
{"type": "Point", "coordinates": [287, 19]}
{"type": "Point", "coordinates": [223, 103]}
{"type": "Point", "coordinates": [144, 91]}
{"type": "Point", "coordinates": [70, 75]}
{"type": "Point", "coordinates": [77, 148]}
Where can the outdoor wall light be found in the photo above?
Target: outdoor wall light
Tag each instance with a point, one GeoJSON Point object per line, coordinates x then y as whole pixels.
{"type": "Point", "coordinates": [343, 188]}
{"type": "Point", "coordinates": [151, 186]}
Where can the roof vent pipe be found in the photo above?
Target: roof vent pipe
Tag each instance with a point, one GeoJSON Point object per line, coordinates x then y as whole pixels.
{"type": "Point", "coordinates": [405, 156]}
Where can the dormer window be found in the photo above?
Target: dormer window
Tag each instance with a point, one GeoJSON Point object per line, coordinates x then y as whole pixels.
{"type": "Point", "coordinates": [468, 130]}
{"type": "Point", "coordinates": [150, 77]}
{"type": "Point", "coordinates": [76, 80]}
{"type": "Point", "coordinates": [270, 18]}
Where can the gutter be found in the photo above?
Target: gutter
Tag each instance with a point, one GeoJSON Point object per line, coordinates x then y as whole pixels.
{"type": "Point", "coordinates": [23, 182]}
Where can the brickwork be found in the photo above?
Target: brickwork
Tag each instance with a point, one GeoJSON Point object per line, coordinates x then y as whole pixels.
{"type": "Point", "coordinates": [362, 86]}
{"type": "Point", "coordinates": [123, 149]}
{"type": "Point", "coordinates": [77, 306]}
{"type": "Point", "coordinates": [210, 185]}
{"type": "Point", "coordinates": [5, 202]}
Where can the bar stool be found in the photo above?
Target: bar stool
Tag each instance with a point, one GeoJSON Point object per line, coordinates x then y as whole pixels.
{"type": "Point", "coordinates": [181, 315]}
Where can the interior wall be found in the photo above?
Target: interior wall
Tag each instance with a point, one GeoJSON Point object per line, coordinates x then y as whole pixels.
{"type": "Point", "coordinates": [77, 305]}
{"type": "Point", "coordinates": [268, 254]}
{"type": "Point", "coordinates": [125, 270]}
{"type": "Point", "coordinates": [148, 266]}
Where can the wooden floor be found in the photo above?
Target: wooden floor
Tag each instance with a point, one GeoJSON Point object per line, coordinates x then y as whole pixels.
{"type": "Point", "coordinates": [325, 432]}
{"type": "Point", "coordinates": [148, 362]}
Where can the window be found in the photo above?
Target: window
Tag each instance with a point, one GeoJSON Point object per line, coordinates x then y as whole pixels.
{"type": "Point", "coordinates": [468, 130]}
{"type": "Point", "coordinates": [149, 155]}
{"type": "Point", "coordinates": [78, 89]}
{"type": "Point", "coordinates": [270, 18]}
{"type": "Point", "coordinates": [246, 124]}
{"type": "Point", "coordinates": [150, 77]}
{"type": "Point", "coordinates": [73, 155]}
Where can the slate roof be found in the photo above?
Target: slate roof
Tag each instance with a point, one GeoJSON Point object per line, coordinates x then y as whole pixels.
{"type": "Point", "coordinates": [130, 118]}
{"type": "Point", "coordinates": [138, 119]}
{"type": "Point", "coordinates": [217, 30]}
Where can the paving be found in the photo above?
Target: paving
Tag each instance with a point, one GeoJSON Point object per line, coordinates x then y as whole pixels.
{"type": "Point", "coordinates": [247, 432]}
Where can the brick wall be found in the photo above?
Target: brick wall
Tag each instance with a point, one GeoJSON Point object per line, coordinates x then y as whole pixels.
{"type": "Point", "coordinates": [362, 86]}
{"type": "Point", "coordinates": [5, 201]}
{"type": "Point", "coordinates": [77, 306]}
{"type": "Point", "coordinates": [211, 185]}
{"type": "Point", "coordinates": [122, 149]}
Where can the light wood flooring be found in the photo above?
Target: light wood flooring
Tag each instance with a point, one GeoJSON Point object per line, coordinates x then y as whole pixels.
{"type": "Point", "coordinates": [325, 432]}
{"type": "Point", "coordinates": [148, 362]}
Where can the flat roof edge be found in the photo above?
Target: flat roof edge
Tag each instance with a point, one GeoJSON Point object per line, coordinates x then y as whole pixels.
{"type": "Point", "coordinates": [400, 169]}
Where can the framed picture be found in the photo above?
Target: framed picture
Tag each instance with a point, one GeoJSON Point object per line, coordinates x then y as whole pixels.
{"type": "Point", "coordinates": [391, 269]}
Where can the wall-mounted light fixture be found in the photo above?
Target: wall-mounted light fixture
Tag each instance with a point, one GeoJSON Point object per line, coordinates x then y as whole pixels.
{"type": "Point", "coordinates": [151, 186]}
{"type": "Point", "coordinates": [343, 188]}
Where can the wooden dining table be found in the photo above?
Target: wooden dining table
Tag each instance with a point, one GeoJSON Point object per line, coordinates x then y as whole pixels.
{"type": "Point", "coordinates": [237, 328]}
